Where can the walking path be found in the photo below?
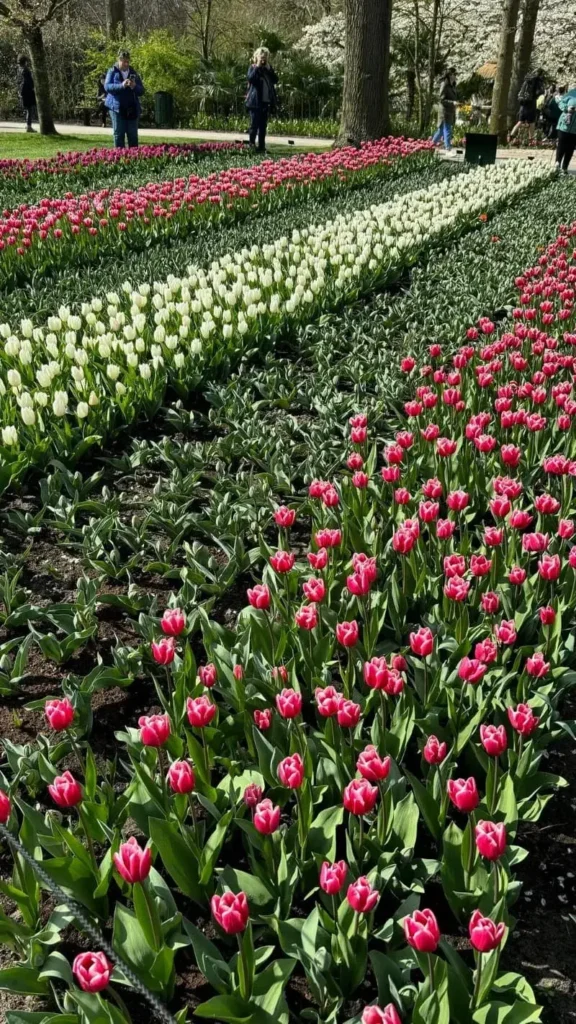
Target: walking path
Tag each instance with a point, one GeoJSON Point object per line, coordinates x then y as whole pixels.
{"type": "Point", "coordinates": [179, 134]}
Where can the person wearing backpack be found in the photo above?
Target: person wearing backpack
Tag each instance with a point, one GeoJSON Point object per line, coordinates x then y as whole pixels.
{"type": "Point", "coordinates": [532, 88]}
{"type": "Point", "coordinates": [566, 130]}
{"type": "Point", "coordinates": [446, 110]}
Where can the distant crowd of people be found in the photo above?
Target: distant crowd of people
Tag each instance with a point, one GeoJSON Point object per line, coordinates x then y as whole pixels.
{"type": "Point", "coordinates": [554, 107]}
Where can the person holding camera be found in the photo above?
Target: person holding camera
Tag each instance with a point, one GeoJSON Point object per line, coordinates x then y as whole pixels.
{"type": "Point", "coordinates": [261, 96]}
{"type": "Point", "coordinates": [123, 88]}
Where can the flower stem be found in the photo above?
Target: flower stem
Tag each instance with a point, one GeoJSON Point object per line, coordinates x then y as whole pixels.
{"type": "Point", "coordinates": [245, 979]}
{"type": "Point", "coordinates": [494, 798]}
{"type": "Point", "coordinates": [117, 998]}
{"type": "Point", "coordinates": [86, 828]}
{"type": "Point", "coordinates": [431, 971]}
{"type": "Point", "coordinates": [79, 757]}
{"type": "Point", "coordinates": [477, 982]}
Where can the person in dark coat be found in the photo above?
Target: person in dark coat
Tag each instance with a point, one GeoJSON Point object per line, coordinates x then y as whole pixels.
{"type": "Point", "coordinates": [532, 88]}
{"type": "Point", "coordinates": [446, 110]}
{"type": "Point", "coordinates": [261, 96]}
{"type": "Point", "coordinates": [26, 91]}
{"type": "Point", "coordinates": [123, 87]}
{"type": "Point", "coordinates": [101, 98]}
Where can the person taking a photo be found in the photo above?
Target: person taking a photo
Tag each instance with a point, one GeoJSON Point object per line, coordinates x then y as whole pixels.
{"type": "Point", "coordinates": [123, 87]}
{"type": "Point", "coordinates": [261, 96]}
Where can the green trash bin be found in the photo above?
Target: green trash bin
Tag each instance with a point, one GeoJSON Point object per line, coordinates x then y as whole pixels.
{"type": "Point", "coordinates": [163, 109]}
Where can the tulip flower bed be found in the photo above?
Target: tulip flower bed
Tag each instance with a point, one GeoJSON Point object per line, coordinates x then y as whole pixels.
{"type": "Point", "coordinates": [62, 231]}
{"type": "Point", "coordinates": [337, 777]}
{"type": "Point", "coordinates": [209, 318]}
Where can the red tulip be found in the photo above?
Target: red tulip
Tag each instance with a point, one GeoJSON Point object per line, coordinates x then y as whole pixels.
{"type": "Point", "coordinates": [422, 931]}
{"type": "Point", "coordinates": [456, 588]}
{"type": "Point", "coordinates": [328, 538]}
{"type": "Point", "coordinates": [549, 567]}
{"type": "Point", "coordinates": [5, 807]}
{"type": "Point", "coordinates": [486, 651]}
{"type": "Point", "coordinates": [238, 672]}
{"type": "Point", "coordinates": [132, 862]}
{"type": "Point", "coordinates": [65, 790]}
{"type": "Point", "coordinates": [154, 730]}
{"type": "Point", "coordinates": [291, 771]}
{"type": "Point", "coordinates": [355, 461]}
{"type": "Point", "coordinates": [252, 795]}
{"type": "Point", "coordinates": [360, 797]}
{"type": "Point", "coordinates": [328, 700]}
{"type": "Point", "coordinates": [464, 794]}
{"type": "Point", "coordinates": [263, 719]}
{"type": "Point", "coordinates": [200, 711]}
{"type": "Point", "coordinates": [231, 912]}
{"type": "Point", "coordinates": [490, 839]}
{"type": "Point", "coordinates": [490, 602]}
{"type": "Point", "coordinates": [348, 713]}
{"type": "Point", "coordinates": [59, 713]}
{"type": "Point", "coordinates": [181, 777]}
{"type": "Point", "coordinates": [517, 575]}
{"type": "Point", "coordinates": [284, 516]}
{"type": "Point", "coordinates": [266, 817]}
{"type": "Point", "coordinates": [376, 673]}
{"type": "Point", "coordinates": [173, 622]}
{"type": "Point", "coordinates": [523, 719]}
{"type": "Point", "coordinates": [92, 971]}
{"type": "Point", "coordinates": [471, 670]}
{"type": "Point", "coordinates": [347, 633]}
{"type": "Point", "coordinates": [445, 528]}
{"type": "Point", "coordinates": [163, 650]}
{"type": "Point", "coordinates": [314, 589]}
{"type": "Point", "coordinates": [208, 675]}
{"type": "Point", "coordinates": [289, 703]}
{"type": "Point", "coordinates": [422, 642]}
{"type": "Point", "coordinates": [282, 561]}
{"type": "Point", "coordinates": [361, 896]}
{"type": "Point", "coordinates": [318, 560]}
{"type": "Point", "coordinates": [333, 876]}
{"type": "Point", "coordinates": [259, 596]}
{"type": "Point", "coordinates": [307, 617]}
{"type": "Point", "coordinates": [536, 666]}
{"type": "Point", "coordinates": [434, 751]}
{"type": "Point", "coordinates": [547, 616]}
{"type": "Point", "coordinates": [371, 766]}
{"type": "Point", "coordinates": [374, 1015]}
{"type": "Point", "coordinates": [485, 934]}
{"type": "Point", "coordinates": [494, 739]}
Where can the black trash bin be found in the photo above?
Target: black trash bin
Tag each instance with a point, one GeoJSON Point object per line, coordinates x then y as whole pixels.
{"type": "Point", "coordinates": [164, 109]}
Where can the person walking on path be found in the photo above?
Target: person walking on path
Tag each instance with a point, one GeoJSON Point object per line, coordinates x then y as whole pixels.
{"type": "Point", "coordinates": [123, 87]}
{"type": "Point", "coordinates": [566, 130]}
{"type": "Point", "coordinates": [446, 110]}
{"type": "Point", "coordinates": [261, 96]}
{"type": "Point", "coordinates": [26, 91]}
{"type": "Point", "coordinates": [532, 88]}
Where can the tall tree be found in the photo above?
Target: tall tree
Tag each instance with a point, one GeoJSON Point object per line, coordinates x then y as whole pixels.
{"type": "Point", "coordinates": [365, 109]}
{"type": "Point", "coordinates": [499, 115]}
{"type": "Point", "coordinates": [523, 55]}
{"type": "Point", "coordinates": [30, 17]}
{"type": "Point", "coordinates": [116, 19]}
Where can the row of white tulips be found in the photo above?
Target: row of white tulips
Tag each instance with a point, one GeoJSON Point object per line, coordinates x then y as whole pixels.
{"type": "Point", "coordinates": [83, 371]}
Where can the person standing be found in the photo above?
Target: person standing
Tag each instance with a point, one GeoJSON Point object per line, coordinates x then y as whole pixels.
{"type": "Point", "coordinates": [532, 88]}
{"type": "Point", "coordinates": [446, 110]}
{"type": "Point", "coordinates": [26, 91]}
{"type": "Point", "coordinates": [101, 100]}
{"type": "Point", "coordinates": [123, 87]}
{"type": "Point", "coordinates": [261, 96]}
{"type": "Point", "coordinates": [566, 130]}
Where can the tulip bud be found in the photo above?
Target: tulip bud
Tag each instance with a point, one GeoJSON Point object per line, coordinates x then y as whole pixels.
{"type": "Point", "coordinates": [464, 794]}
{"type": "Point", "coordinates": [359, 797]}
{"type": "Point", "coordinates": [289, 703]}
{"type": "Point", "coordinates": [252, 795]}
{"type": "Point", "coordinates": [59, 714]}
{"type": "Point", "coordinates": [263, 719]}
{"type": "Point", "coordinates": [422, 931]}
{"type": "Point", "coordinates": [231, 911]}
{"type": "Point", "coordinates": [154, 730]}
{"type": "Point", "coordinates": [347, 633]}
{"type": "Point", "coordinates": [5, 807]}
{"type": "Point", "coordinates": [485, 934]}
{"type": "Point", "coordinates": [208, 675]}
{"type": "Point", "coordinates": [163, 650]}
{"type": "Point", "coordinates": [291, 771]}
{"type": "Point", "coordinates": [266, 817]}
{"type": "Point", "coordinates": [333, 876]}
{"type": "Point", "coordinates": [65, 790]}
{"type": "Point", "coordinates": [494, 739]}
{"type": "Point", "coordinates": [259, 596]}
{"type": "Point", "coordinates": [181, 777]}
{"type": "Point", "coordinates": [361, 896]}
{"type": "Point", "coordinates": [490, 839]}
{"type": "Point", "coordinates": [92, 971]}
{"type": "Point", "coordinates": [173, 622]}
{"type": "Point", "coordinates": [422, 642]}
{"type": "Point", "coordinates": [132, 862]}
{"type": "Point", "coordinates": [434, 752]}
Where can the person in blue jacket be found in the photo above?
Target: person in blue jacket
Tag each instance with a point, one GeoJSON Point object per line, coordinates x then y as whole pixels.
{"type": "Point", "coordinates": [261, 96]}
{"type": "Point", "coordinates": [123, 88]}
{"type": "Point", "coordinates": [566, 130]}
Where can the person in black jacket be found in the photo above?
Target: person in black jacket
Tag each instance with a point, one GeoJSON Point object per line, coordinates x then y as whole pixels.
{"type": "Point", "coordinates": [532, 88]}
{"type": "Point", "coordinates": [26, 91]}
{"type": "Point", "coordinates": [261, 97]}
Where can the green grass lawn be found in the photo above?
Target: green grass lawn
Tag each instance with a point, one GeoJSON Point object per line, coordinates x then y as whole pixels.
{"type": "Point", "coordinates": [21, 145]}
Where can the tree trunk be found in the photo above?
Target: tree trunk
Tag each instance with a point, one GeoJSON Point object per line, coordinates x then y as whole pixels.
{"type": "Point", "coordinates": [35, 43]}
{"type": "Point", "coordinates": [523, 55]}
{"type": "Point", "coordinates": [116, 19]}
{"type": "Point", "coordinates": [431, 64]}
{"type": "Point", "coordinates": [365, 111]}
{"type": "Point", "coordinates": [410, 93]}
{"type": "Point", "coordinates": [498, 117]}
